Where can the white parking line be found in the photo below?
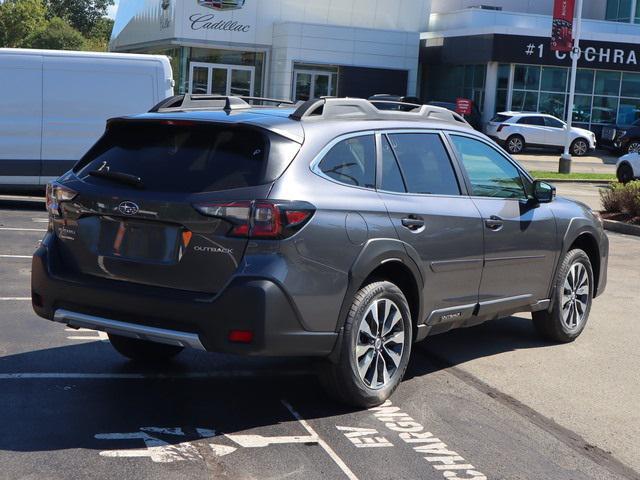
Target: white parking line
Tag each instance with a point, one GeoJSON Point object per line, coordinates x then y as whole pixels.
{"type": "Point", "coordinates": [325, 446]}
{"type": "Point", "coordinates": [15, 299]}
{"type": "Point", "coordinates": [15, 229]}
{"type": "Point", "coordinates": [152, 376]}
{"type": "Point", "coordinates": [16, 256]}
{"type": "Point", "coordinates": [88, 334]}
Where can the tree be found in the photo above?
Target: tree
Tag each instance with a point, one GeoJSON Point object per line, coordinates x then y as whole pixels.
{"type": "Point", "coordinates": [19, 19]}
{"type": "Point", "coordinates": [56, 35]}
{"type": "Point", "coordinates": [83, 15]}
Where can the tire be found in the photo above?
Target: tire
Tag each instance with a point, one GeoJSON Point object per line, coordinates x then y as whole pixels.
{"type": "Point", "coordinates": [633, 146]}
{"type": "Point", "coordinates": [353, 379]}
{"type": "Point", "coordinates": [625, 173]}
{"type": "Point", "coordinates": [552, 325]}
{"type": "Point", "coordinates": [515, 144]}
{"type": "Point", "coordinates": [143, 351]}
{"type": "Point", "coordinates": [579, 147]}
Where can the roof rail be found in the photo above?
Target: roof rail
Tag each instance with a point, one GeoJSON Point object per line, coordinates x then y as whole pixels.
{"type": "Point", "coordinates": [277, 101]}
{"type": "Point", "coordinates": [213, 102]}
{"type": "Point", "coordinates": [360, 109]}
{"type": "Point", "coordinates": [209, 102]}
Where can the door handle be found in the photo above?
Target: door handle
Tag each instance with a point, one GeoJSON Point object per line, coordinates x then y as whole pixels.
{"type": "Point", "coordinates": [413, 223]}
{"type": "Point", "coordinates": [494, 223]}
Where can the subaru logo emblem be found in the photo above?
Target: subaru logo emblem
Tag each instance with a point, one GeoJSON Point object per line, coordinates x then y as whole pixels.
{"type": "Point", "coordinates": [128, 208]}
{"type": "Point", "coordinates": [222, 4]}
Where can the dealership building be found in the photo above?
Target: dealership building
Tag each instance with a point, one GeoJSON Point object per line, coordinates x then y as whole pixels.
{"type": "Point", "coordinates": [279, 48]}
{"type": "Point", "coordinates": [497, 52]}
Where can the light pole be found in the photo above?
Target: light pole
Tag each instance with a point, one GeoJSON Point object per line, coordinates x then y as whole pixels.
{"type": "Point", "coordinates": [565, 159]}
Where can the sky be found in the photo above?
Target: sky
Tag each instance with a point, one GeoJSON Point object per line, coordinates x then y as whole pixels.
{"type": "Point", "coordinates": [112, 10]}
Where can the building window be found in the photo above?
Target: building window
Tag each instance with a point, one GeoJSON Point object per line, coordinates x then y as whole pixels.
{"type": "Point", "coordinates": [602, 96]}
{"type": "Point", "coordinates": [445, 83]}
{"type": "Point", "coordinates": [227, 72]}
{"type": "Point", "coordinates": [314, 81]}
{"type": "Point", "coordinates": [502, 91]}
{"type": "Point", "coordinates": [619, 11]}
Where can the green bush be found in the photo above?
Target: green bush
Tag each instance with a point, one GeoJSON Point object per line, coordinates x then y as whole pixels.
{"type": "Point", "coordinates": [621, 198]}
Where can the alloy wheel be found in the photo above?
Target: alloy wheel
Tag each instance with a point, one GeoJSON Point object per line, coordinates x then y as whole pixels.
{"type": "Point", "coordinates": [634, 147]}
{"type": "Point", "coordinates": [580, 148]}
{"type": "Point", "coordinates": [515, 145]}
{"type": "Point", "coordinates": [575, 296]}
{"type": "Point", "coordinates": [380, 343]}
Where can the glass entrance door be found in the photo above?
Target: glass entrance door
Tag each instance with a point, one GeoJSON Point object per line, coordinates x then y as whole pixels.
{"type": "Point", "coordinates": [217, 79]}
{"type": "Point", "coordinates": [312, 84]}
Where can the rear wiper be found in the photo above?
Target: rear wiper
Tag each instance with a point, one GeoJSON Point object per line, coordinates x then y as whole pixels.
{"type": "Point", "coordinates": [121, 177]}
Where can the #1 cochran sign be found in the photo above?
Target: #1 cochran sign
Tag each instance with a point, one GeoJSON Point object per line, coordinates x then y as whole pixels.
{"type": "Point", "coordinates": [464, 106]}
{"type": "Point", "coordinates": [562, 29]}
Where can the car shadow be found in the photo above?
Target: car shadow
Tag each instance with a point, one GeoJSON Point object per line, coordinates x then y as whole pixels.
{"type": "Point", "coordinates": [491, 338]}
{"type": "Point", "coordinates": [197, 392]}
{"type": "Point", "coordinates": [20, 204]}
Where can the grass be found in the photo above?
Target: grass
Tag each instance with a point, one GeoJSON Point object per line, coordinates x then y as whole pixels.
{"type": "Point", "coordinates": [608, 177]}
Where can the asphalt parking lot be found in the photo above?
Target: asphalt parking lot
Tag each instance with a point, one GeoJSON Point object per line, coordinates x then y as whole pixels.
{"type": "Point", "coordinates": [490, 402]}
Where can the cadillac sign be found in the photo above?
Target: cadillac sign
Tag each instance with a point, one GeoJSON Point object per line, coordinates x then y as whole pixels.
{"type": "Point", "coordinates": [222, 4]}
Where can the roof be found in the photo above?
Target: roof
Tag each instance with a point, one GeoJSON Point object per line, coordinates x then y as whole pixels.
{"type": "Point", "coordinates": [72, 53]}
{"type": "Point", "coordinates": [274, 119]}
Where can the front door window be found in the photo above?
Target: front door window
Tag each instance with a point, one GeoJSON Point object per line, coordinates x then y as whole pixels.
{"type": "Point", "coordinates": [215, 79]}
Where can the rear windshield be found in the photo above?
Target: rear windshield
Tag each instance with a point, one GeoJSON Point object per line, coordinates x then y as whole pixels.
{"type": "Point", "coordinates": [189, 157]}
{"type": "Point", "coordinates": [500, 118]}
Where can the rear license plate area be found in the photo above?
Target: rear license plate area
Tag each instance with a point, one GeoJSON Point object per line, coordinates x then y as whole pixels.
{"type": "Point", "coordinates": [146, 242]}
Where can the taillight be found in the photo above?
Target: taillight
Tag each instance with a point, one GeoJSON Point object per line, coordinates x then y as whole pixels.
{"type": "Point", "coordinates": [260, 218]}
{"type": "Point", "coordinates": [56, 194]}
{"type": "Point", "coordinates": [500, 127]}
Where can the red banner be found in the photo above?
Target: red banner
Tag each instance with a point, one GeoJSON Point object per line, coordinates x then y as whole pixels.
{"type": "Point", "coordinates": [464, 106]}
{"type": "Point", "coordinates": [562, 29]}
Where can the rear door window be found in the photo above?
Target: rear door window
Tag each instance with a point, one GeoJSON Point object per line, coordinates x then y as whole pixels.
{"type": "Point", "coordinates": [352, 162]}
{"type": "Point", "coordinates": [538, 121]}
{"type": "Point", "coordinates": [189, 157]}
{"type": "Point", "coordinates": [425, 164]}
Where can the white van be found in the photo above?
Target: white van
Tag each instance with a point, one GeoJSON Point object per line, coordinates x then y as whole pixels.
{"type": "Point", "coordinates": [54, 105]}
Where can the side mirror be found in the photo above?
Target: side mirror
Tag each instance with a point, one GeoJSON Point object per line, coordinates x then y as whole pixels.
{"type": "Point", "coordinates": [543, 192]}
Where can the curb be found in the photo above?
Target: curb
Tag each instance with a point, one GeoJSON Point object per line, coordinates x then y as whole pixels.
{"type": "Point", "coordinates": [621, 227]}
{"type": "Point", "coordinates": [566, 180]}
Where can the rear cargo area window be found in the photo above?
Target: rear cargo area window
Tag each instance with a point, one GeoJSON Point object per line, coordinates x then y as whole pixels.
{"type": "Point", "coordinates": [188, 157]}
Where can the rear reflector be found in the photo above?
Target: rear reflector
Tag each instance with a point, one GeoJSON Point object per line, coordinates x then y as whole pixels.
{"type": "Point", "coordinates": [36, 299]}
{"type": "Point", "coordinates": [260, 218]}
{"type": "Point", "coordinates": [241, 336]}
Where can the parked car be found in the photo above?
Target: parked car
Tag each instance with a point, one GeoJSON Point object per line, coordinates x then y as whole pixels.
{"type": "Point", "coordinates": [55, 104]}
{"type": "Point", "coordinates": [333, 230]}
{"type": "Point", "coordinates": [628, 167]}
{"type": "Point", "coordinates": [517, 131]}
{"type": "Point", "coordinates": [623, 138]}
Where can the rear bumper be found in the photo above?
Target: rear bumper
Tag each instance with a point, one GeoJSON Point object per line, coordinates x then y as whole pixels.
{"type": "Point", "coordinates": [176, 317]}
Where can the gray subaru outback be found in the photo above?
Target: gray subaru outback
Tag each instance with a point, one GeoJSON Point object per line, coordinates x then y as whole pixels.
{"type": "Point", "coordinates": [330, 229]}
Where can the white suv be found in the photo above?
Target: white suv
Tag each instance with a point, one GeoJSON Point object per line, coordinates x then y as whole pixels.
{"type": "Point", "coordinates": [516, 130]}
